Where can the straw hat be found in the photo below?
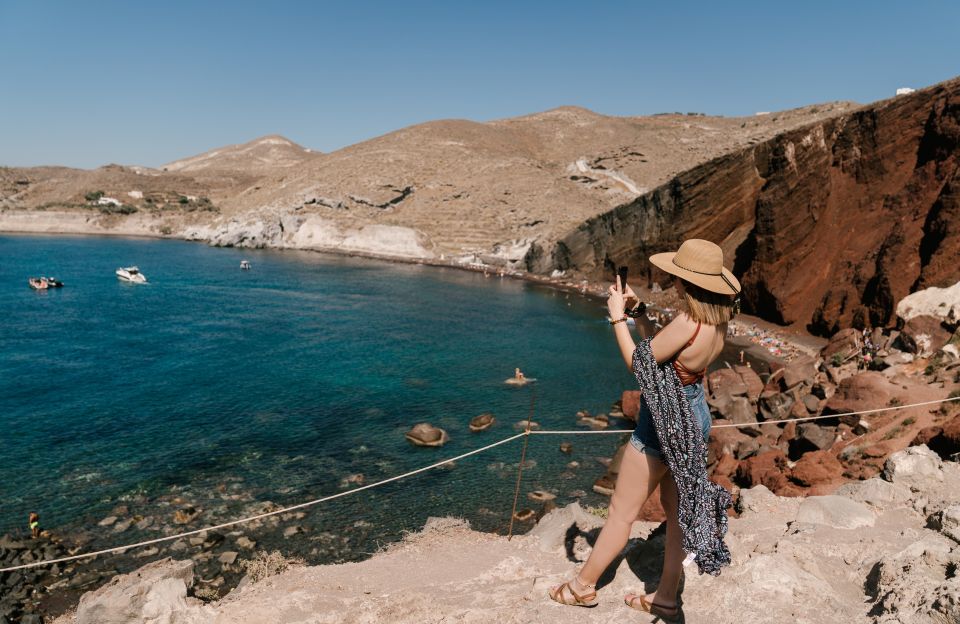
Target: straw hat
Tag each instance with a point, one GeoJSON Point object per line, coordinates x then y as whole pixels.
{"type": "Point", "coordinates": [699, 262]}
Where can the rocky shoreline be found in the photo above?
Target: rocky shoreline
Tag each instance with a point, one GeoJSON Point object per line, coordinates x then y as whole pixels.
{"type": "Point", "coordinates": [877, 551]}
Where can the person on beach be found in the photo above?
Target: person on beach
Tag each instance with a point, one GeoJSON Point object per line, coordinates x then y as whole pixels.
{"type": "Point", "coordinates": [690, 342]}
{"type": "Point", "coordinates": [33, 521]}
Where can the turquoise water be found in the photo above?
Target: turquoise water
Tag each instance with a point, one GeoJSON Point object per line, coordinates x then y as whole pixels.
{"type": "Point", "coordinates": [223, 388]}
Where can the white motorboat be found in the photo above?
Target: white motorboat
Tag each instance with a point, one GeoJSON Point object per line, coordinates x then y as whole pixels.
{"type": "Point", "coordinates": [244, 265]}
{"type": "Point", "coordinates": [131, 274]}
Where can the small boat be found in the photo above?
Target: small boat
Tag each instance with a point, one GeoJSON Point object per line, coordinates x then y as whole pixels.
{"type": "Point", "coordinates": [38, 283]}
{"type": "Point", "coordinates": [131, 274]}
{"type": "Point", "coordinates": [53, 282]}
{"type": "Point", "coordinates": [244, 265]}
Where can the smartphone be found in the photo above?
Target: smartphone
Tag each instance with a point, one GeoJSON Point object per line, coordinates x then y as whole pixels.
{"type": "Point", "coordinates": [622, 272]}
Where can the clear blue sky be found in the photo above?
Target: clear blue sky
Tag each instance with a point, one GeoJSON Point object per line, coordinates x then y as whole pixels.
{"type": "Point", "coordinates": [88, 83]}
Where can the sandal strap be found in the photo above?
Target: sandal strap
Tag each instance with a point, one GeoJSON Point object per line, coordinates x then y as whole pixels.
{"type": "Point", "coordinates": [581, 598]}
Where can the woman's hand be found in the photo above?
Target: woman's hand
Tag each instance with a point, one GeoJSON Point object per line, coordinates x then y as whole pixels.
{"type": "Point", "coordinates": [615, 303]}
{"type": "Point", "coordinates": [630, 298]}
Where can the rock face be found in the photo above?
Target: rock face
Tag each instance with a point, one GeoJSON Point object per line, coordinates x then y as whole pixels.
{"type": "Point", "coordinates": [943, 303]}
{"type": "Point", "coordinates": [827, 226]}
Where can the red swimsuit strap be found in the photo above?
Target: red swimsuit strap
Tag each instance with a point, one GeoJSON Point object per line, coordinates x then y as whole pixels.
{"type": "Point", "coordinates": [687, 376]}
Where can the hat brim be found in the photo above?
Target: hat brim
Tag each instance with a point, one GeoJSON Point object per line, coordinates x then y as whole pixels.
{"type": "Point", "coordinates": [713, 283]}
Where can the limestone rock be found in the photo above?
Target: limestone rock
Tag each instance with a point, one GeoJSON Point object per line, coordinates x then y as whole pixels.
{"type": "Point", "coordinates": [154, 594]}
{"type": "Point", "coordinates": [948, 522]}
{"type": "Point", "coordinates": [835, 511]}
{"type": "Point", "coordinates": [942, 303]}
{"type": "Point", "coordinates": [876, 492]}
{"type": "Point", "coordinates": [915, 467]}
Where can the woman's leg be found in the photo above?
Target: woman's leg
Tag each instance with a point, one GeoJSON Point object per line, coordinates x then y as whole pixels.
{"type": "Point", "coordinates": [638, 478]}
{"type": "Point", "coordinates": [666, 593]}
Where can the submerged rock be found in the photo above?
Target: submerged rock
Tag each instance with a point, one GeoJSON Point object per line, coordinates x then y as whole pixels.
{"type": "Point", "coordinates": [482, 422]}
{"type": "Point", "coordinates": [425, 434]}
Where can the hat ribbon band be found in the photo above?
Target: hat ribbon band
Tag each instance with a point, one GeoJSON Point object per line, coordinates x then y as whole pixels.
{"type": "Point", "coordinates": [722, 276]}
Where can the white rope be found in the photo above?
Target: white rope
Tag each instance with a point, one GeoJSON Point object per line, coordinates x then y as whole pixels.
{"type": "Point", "coordinates": [769, 422]}
{"type": "Point", "coordinates": [430, 467]}
{"type": "Point", "coordinates": [263, 515]}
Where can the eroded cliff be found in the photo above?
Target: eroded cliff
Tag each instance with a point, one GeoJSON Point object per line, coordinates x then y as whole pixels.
{"type": "Point", "coordinates": [828, 225]}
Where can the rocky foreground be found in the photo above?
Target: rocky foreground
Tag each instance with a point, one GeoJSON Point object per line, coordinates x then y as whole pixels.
{"type": "Point", "coordinates": [886, 549]}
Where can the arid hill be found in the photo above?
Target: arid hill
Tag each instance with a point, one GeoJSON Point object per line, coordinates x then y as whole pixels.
{"type": "Point", "coordinates": [447, 187]}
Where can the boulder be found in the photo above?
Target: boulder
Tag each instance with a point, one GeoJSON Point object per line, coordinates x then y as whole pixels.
{"type": "Point", "coordinates": [909, 586]}
{"type": "Point", "coordinates": [425, 434]}
{"type": "Point", "coordinates": [757, 499]}
{"type": "Point", "coordinates": [896, 358]}
{"type": "Point", "coordinates": [835, 511]}
{"type": "Point", "coordinates": [482, 422]}
{"type": "Point", "coordinates": [775, 405]}
{"type": "Point", "coordinates": [924, 335]}
{"type": "Point", "coordinates": [605, 484]}
{"type": "Point", "coordinates": [566, 447]}
{"type": "Point", "coordinates": [867, 390]}
{"type": "Point", "coordinates": [156, 592]}
{"type": "Point", "coordinates": [811, 437]}
{"type": "Point", "coordinates": [816, 469]}
{"type": "Point", "coordinates": [185, 515]}
{"type": "Point", "coordinates": [947, 522]}
{"type": "Point", "coordinates": [811, 403]}
{"type": "Point", "coordinates": [915, 467]}
{"type": "Point", "coordinates": [739, 410]}
{"type": "Point", "coordinates": [541, 496]}
{"type": "Point", "coordinates": [630, 404]}
{"type": "Point", "coordinates": [876, 492]}
{"type": "Point", "coordinates": [941, 303]}
{"type": "Point", "coordinates": [844, 344]}
{"type": "Point", "coordinates": [798, 372]}
{"type": "Point", "coordinates": [751, 380]}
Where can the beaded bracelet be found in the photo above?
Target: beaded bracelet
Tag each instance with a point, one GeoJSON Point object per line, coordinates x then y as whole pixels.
{"type": "Point", "coordinates": [619, 320]}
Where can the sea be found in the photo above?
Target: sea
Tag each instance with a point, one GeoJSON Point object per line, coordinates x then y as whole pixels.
{"type": "Point", "coordinates": [221, 393]}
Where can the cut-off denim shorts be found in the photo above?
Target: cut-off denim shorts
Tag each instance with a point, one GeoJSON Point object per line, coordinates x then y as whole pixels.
{"type": "Point", "coordinates": [644, 437]}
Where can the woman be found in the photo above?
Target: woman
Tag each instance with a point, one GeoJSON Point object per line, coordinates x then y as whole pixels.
{"type": "Point", "coordinates": [691, 342]}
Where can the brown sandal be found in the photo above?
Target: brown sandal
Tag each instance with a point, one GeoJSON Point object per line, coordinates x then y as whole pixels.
{"type": "Point", "coordinates": [579, 600]}
{"type": "Point", "coordinates": [667, 614]}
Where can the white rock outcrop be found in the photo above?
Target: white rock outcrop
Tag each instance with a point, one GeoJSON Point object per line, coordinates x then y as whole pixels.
{"type": "Point", "coordinates": [154, 594]}
{"type": "Point", "coordinates": [943, 303]}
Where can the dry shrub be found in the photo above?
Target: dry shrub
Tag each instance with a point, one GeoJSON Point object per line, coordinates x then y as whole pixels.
{"type": "Point", "coordinates": [266, 564]}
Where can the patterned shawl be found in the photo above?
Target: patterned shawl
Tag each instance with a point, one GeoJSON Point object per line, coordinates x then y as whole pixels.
{"type": "Point", "coordinates": [703, 504]}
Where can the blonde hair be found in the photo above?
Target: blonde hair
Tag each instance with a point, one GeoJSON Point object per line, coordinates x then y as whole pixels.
{"type": "Point", "coordinates": [705, 306]}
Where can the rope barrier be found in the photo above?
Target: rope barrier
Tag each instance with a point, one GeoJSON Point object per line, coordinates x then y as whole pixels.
{"type": "Point", "coordinates": [424, 469]}
{"type": "Point", "coordinates": [769, 422]}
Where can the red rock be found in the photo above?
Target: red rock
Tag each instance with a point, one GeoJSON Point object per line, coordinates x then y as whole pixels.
{"type": "Point", "coordinates": [630, 404]}
{"type": "Point", "coordinates": [844, 343]}
{"type": "Point", "coordinates": [726, 465]}
{"type": "Point", "coordinates": [924, 335]}
{"type": "Point", "coordinates": [868, 390]}
{"type": "Point", "coordinates": [751, 380]}
{"type": "Point", "coordinates": [819, 467]}
{"type": "Point", "coordinates": [758, 469]}
{"type": "Point", "coordinates": [925, 435]}
{"type": "Point", "coordinates": [798, 372]}
{"type": "Point", "coordinates": [652, 509]}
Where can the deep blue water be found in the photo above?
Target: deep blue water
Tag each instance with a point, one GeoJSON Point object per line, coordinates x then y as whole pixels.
{"type": "Point", "coordinates": [227, 388]}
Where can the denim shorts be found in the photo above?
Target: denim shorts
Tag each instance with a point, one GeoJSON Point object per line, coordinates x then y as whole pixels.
{"type": "Point", "coordinates": [644, 437]}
